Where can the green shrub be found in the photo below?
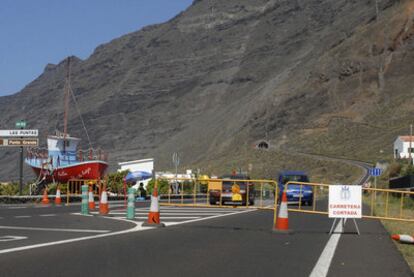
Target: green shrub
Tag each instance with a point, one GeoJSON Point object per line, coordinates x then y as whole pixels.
{"type": "Point", "coordinates": [394, 170]}
{"type": "Point", "coordinates": [116, 181]}
{"type": "Point", "coordinates": [408, 170]}
{"type": "Point", "coordinates": [9, 189]}
{"type": "Point", "coordinates": [162, 184]}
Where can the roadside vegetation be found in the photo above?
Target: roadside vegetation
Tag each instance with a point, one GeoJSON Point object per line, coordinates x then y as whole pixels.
{"type": "Point", "coordinates": [394, 205]}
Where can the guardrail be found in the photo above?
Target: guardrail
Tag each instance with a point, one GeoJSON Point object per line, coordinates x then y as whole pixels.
{"type": "Point", "coordinates": [383, 204]}
{"type": "Point", "coordinates": [255, 194]}
{"type": "Point", "coordinates": [386, 204]}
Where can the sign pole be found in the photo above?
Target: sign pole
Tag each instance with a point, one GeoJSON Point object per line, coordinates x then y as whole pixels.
{"type": "Point", "coordinates": [20, 137]}
{"type": "Point", "coordinates": [22, 125]}
{"type": "Point", "coordinates": [21, 171]}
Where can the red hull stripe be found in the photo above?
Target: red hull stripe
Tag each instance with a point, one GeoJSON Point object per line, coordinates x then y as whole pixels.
{"type": "Point", "coordinates": [85, 170]}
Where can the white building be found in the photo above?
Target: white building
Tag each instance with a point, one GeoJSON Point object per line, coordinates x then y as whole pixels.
{"type": "Point", "coordinates": [402, 147]}
{"type": "Point", "coordinates": [143, 166]}
{"type": "Point", "coordinates": [146, 165]}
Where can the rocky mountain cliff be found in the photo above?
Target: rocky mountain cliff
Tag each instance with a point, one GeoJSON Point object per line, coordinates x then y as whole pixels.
{"type": "Point", "coordinates": [313, 76]}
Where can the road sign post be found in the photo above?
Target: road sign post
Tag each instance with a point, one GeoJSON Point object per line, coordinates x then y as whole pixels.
{"type": "Point", "coordinates": [375, 172]}
{"type": "Point", "coordinates": [19, 138]}
{"type": "Point", "coordinates": [21, 124]}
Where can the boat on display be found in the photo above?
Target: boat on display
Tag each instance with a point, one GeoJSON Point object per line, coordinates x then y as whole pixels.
{"type": "Point", "coordinates": [63, 160]}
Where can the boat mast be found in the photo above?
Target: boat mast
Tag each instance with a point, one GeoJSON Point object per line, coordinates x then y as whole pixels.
{"type": "Point", "coordinates": [66, 107]}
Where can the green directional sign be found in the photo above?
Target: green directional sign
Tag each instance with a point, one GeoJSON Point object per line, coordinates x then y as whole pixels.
{"type": "Point", "coordinates": [21, 124]}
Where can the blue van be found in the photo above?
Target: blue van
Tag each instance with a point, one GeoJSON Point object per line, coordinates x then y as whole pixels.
{"type": "Point", "coordinates": [294, 192]}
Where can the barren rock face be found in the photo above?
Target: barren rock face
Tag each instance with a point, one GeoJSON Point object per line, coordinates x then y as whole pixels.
{"type": "Point", "coordinates": [315, 76]}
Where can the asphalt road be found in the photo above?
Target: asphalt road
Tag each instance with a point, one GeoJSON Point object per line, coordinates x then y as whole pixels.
{"type": "Point", "coordinates": [196, 242]}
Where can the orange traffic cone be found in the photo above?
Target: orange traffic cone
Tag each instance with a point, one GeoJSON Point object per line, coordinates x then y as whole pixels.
{"type": "Point", "coordinates": [282, 221]}
{"type": "Point", "coordinates": [154, 213]}
{"type": "Point", "coordinates": [103, 204]}
{"type": "Point", "coordinates": [403, 238]}
{"type": "Point", "coordinates": [91, 202]}
{"type": "Point", "coordinates": [45, 199]}
{"type": "Point", "coordinates": [58, 200]}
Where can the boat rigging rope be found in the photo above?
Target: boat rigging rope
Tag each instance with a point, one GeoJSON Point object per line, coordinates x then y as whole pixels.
{"type": "Point", "coordinates": [80, 115]}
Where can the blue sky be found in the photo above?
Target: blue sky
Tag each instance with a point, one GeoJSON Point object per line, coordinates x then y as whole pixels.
{"type": "Point", "coordinates": [34, 33]}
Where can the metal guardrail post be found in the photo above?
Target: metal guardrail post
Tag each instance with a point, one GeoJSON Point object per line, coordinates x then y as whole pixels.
{"type": "Point", "coordinates": [275, 205]}
{"type": "Point", "coordinates": [169, 193]}
{"type": "Point", "coordinates": [314, 190]}
{"type": "Point", "coordinates": [67, 193]}
{"type": "Point", "coordinates": [261, 194]}
{"type": "Point", "coordinates": [372, 203]}
{"type": "Point", "coordinates": [221, 195]}
{"type": "Point", "coordinates": [195, 190]}
{"type": "Point", "coordinates": [386, 204]}
{"type": "Point", "coordinates": [247, 195]}
{"type": "Point", "coordinates": [182, 192]}
{"type": "Point", "coordinates": [208, 197]}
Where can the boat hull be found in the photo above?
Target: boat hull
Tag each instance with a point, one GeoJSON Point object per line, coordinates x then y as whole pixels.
{"type": "Point", "coordinates": [89, 170]}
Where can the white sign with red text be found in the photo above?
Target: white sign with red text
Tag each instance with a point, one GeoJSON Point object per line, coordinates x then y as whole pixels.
{"type": "Point", "coordinates": [345, 201]}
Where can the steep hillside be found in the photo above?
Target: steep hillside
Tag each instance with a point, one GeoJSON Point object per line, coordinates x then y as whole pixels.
{"type": "Point", "coordinates": [316, 76]}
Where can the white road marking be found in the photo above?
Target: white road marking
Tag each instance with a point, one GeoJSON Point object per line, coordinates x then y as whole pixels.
{"type": "Point", "coordinates": [11, 238]}
{"type": "Point", "coordinates": [210, 217]}
{"type": "Point", "coordinates": [322, 266]}
{"type": "Point", "coordinates": [14, 208]}
{"type": "Point", "coordinates": [22, 216]}
{"type": "Point", "coordinates": [47, 215]}
{"type": "Point", "coordinates": [206, 210]}
{"type": "Point", "coordinates": [163, 213]}
{"type": "Point", "coordinates": [137, 228]}
{"type": "Point", "coordinates": [54, 229]}
{"type": "Point", "coordinates": [134, 229]}
{"type": "Point", "coordinates": [169, 217]}
{"type": "Point", "coordinates": [201, 209]}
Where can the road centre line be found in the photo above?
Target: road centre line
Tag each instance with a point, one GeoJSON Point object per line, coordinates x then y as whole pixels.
{"type": "Point", "coordinates": [47, 215]}
{"type": "Point", "coordinates": [22, 216]}
{"type": "Point", "coordinates": [324, 262]}
{"type": "Point", "coordinates": [53, 229]}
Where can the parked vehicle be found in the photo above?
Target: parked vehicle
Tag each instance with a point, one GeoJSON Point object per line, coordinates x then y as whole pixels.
{"type": "Point", "coordinates": [232, 192]}
{"type": "Point", "coordinates": [295, 192]}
